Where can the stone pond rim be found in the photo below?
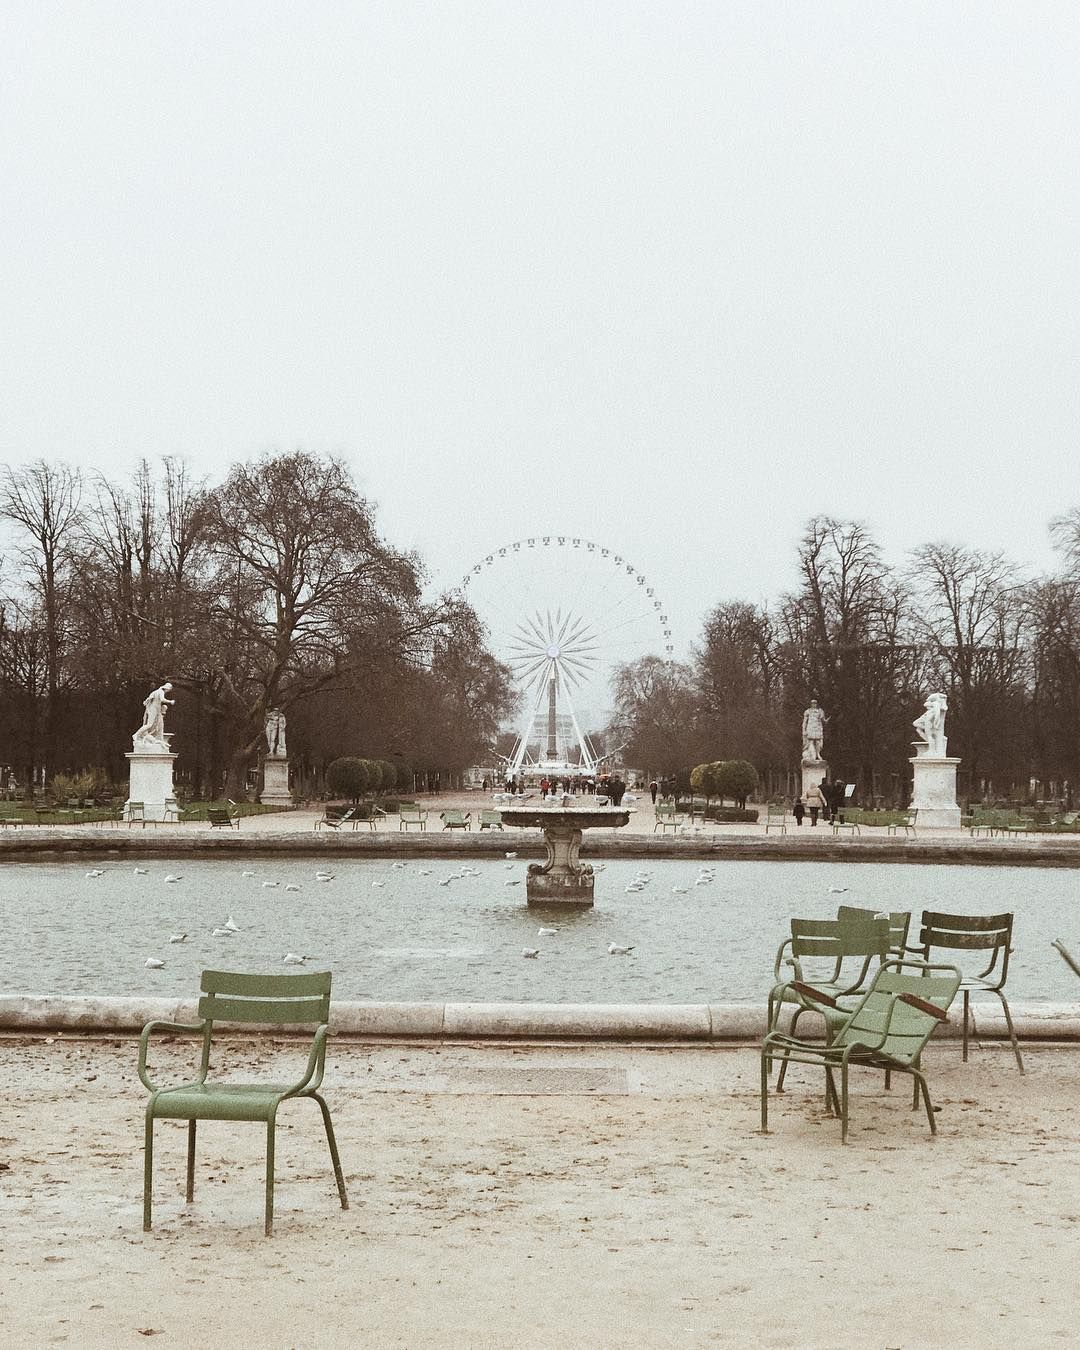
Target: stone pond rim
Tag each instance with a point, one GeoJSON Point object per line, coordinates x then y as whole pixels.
{"type": "Point", "coordinates": [26, 845]}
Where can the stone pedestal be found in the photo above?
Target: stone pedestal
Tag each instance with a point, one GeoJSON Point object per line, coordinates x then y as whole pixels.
{"type": "Point", "coordinates": [275, 788]}
{"type": "Point", "coordinates": [150, 781]}
{"type": "Point", "coordinates": [934, 791]}
{"type": "Point", "coordinates": [813, 771]}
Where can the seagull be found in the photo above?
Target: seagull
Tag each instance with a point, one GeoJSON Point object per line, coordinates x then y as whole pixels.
{"type": "Point", "coordinates": [398, 865]}
{"type": "Point", "coordinates": [140, 871]}
{"type": "Point", "coordinates": [615, 950]}
{"type": "Point", "coordinates": [291, 959]}
{"type": "Point", "coordinates": [247, 874]}
{"type": "Point", "coordinates": [447, 880]}
{"type": "Point", "coordinates": [837, 890]}
{"type": "Point", "coordinates": [170, 878]}
{"type": "Point", "coordinates": [232, 925]}
{"type": "Point", "coordinates": [291, 887]}
{"type": "Point", "coordinates": [679, 890]}
{"type": "Point", "coordinates": [509, 867]}
{"type": "Point", "coordinates": [95, 872]}
{"type": "Point", "coordinates": [546, 932]}
{"type": "Point", "coordinates": [378, 883]}
{"type": "Point", "coordinates": [178, 937]}
{"type": "Point", "coordinates": [511, 855]}
{"type": "Point", "coordinates": [152, 963]}
{"type": "Point", "coordinates": [514, 881]}
{"type": "Point", "coordinates": [531, 952]}
{"type": "Point", "coordinates": [271, 885]}
{"type": "Point", "coordinates": [425, 871]}
{"type": "Point", "coordinates": [221, 932]}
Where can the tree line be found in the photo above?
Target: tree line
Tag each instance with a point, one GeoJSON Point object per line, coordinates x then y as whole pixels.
{"type": "Point", "coordinates": [270, 589]}
{"type": "Point", "coordinates": [869, 642]}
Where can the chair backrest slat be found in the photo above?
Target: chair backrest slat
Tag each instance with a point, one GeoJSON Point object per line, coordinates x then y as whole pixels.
{"type": "Point", "coordinates": [899, 921]}
{"type": "Point", "coordinates": [835, 937]}
{"type": "Point", "coordinates": [278, 1011]}
{"type": "Point", "coordinates": [229, 996]}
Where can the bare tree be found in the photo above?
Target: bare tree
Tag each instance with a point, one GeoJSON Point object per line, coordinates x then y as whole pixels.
{"type": "Point", "coordinates": [44, 501]}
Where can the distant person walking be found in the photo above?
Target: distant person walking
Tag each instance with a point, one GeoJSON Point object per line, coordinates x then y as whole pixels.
{"type": "Point", "coordinates": [654, 788]}
{"type": "Point", "coordinates": [799, 810]}
{"type": "Point", "coordinates": [815, 803]}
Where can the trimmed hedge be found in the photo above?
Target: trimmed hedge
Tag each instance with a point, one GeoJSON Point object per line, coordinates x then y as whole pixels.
{"type": "Point", "coordinates": [731, 815]}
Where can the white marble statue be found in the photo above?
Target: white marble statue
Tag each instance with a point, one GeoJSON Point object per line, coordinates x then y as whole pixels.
{"type": "Point", "coordinates": [931, 727]}
{"type": "Point", "coordinates": [275, 733]}
{"type": "Point", "coordinates": [813, 733]}
{"type": "Point", "coordinates": [151, 735]}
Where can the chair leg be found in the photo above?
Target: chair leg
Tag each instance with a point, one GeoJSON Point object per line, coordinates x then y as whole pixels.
{"type": "Point", "coordinates": [148, 1169]}
{"type": "Point", "coordinates": [832, 1101]}
{"type": "Point", "coordinates": [966, 1007]}
{"type": "Point", "coordinates": [189, 1194]}
{"type": "Point", "coordinates": [784, 1062]}
{"type": "Point", "coordinates": [269, 1224]}
{"type": "Point", "coordinates": [338, 1175]}
{"type": "Point", "coordinates": [843, 1102]}
{"type": "Point", "coordinates": [920, 1082]}
{"type": "Point", "coordinates": [765, 1064]}
{"type": "Point", "coordinates": [1012, 1032]}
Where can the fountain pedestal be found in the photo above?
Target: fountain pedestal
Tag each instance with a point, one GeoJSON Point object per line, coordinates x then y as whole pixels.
{"type": "Point", "coordinates": [562, 878]}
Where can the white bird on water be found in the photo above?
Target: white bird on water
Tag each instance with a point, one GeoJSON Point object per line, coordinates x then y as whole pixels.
{"type": "Point", "coordinates": [615, 950]}
{"type": "Point", "coordinates": [170, 878]}
{"type": "Point", "coordinates": [152, 963]}
{"type": "Point", "coordinates": [425, 871]}
{"type": "Point", "coordinates": [247, 874]}
{"type": "Point", "coordinates": [291, 959]}
{"type": "Point", "coordinates": [221, 932]}
{"type": "Point", "coordinates": [292, 887]}
{"type": "Point", "coordinates": [530, 952]}
{"type": "Point", "coordinates": [837, 890]}
{"type": "Point", "coordinates": [546, 932]}
{"type": "Point", "coordinates": [232, 925]}
{"type": "Point", "coordinates": [514, 881]}
{"type": "Point", "coordinates": [140, 871]}
{"type": "Point", "coordinates": [511, 855]}
{"type": "Point", "coordinates": [95, 872]}
{"type": "Point", "coordinates": [378, 883]}
{"type": "Point", "coordinates": [398, 865]}
{"type": "Point", "coordinates": [324, 876]}
{"type": "Point", "coordinates": [178, 937]}
{"type": "Point", "coordinates": [679, 890]}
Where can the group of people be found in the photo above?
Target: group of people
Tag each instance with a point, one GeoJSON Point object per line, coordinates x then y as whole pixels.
{"type": "Point", "coordinates": [606, 785]}
{"type": "Point", "coordinates": [823, 799]}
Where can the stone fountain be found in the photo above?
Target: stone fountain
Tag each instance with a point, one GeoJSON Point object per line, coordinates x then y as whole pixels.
{"type": "Point", "coordinates": [562, 879]}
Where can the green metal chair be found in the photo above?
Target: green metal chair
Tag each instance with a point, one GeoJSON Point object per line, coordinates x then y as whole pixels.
{"type": "Point", "coordinates": [987, 933]}
{"type": "Point", "coordinates": [274, 1000]}
{"type": "Point", "coordinates": [453, 819]}
{"type": "Point", "coordinates": [899, 924]}
{"type": "Point", "coordinates": [666, 817]}
{"type": "Point", "coordinates": [490, 820]}
{"type": "Point", "coordinates": [888, 1029]}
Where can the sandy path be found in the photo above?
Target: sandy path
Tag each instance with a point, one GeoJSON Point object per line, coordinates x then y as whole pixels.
{"type": "Point", "coordinates": [655, 1217]}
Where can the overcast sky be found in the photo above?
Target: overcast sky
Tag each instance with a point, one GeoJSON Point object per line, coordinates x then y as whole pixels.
{"type": "Point", "coordinates": [672, 277]}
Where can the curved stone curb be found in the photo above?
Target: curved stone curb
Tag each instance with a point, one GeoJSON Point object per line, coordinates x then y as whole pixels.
{"type": "Point", "coordinates": [505, 1021]}
{"type": "Point", "coordinates": [196, 841]}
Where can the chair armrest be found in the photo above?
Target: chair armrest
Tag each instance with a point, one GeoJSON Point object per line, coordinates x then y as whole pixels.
{"type": "Point", "coordinates": [188, 1028]}
{"type": "Point", "coordinates": [313, 1074]}
{"type": "Point", "coordinates": [780, 959]}
{"type": "Point", "coordinates": [808, 991]}
{"type": "Point", "coordinates": [913, 1001]}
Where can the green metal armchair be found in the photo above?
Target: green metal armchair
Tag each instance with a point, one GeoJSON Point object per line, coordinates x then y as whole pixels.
{"type": "Point", "coordinates": [275, 1000]}
{"type": "Point", "coordinates": [888, 1029]}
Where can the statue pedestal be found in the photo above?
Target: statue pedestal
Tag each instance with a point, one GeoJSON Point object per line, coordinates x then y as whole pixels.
{"type": "Point", "coordinates": [813, 771]}
{"type": "Point", "coordinates": [150, 781]}
{"type": "Point", "coordinates": [275, 788]}
{"type": "Point", "coordinates": [933, 793]}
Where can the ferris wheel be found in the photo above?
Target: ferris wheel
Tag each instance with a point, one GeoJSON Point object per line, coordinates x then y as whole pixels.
{"type": "Point", "coordinates": [563, 613]}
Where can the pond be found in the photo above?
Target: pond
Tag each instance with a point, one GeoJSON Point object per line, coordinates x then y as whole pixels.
{"type": "Point", "coordinates": [422, 931]}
